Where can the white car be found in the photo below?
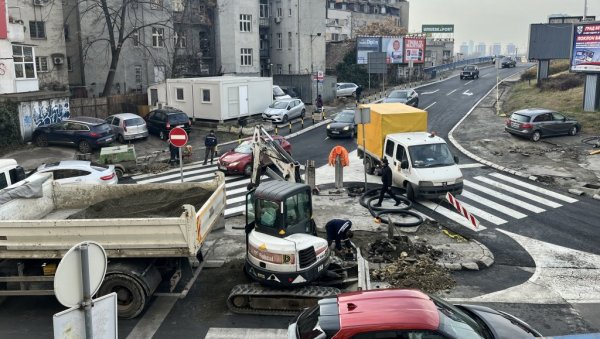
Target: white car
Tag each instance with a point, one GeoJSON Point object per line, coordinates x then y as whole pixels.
{"type": "Point", "coordinates": [80, 172]}
{"type": "Point", "coordinates": [284, 110]}
{"type": "Point", "coordinates": [127, 126]}
{"type": "Point", "coordinates": [345, 89]}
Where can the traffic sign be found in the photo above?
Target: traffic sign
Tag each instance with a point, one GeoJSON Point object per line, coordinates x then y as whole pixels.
{"type": "Point", "coordinates": [71, 323]}
{"type": "Point", "coordinates": [463, 211]}
{"type": "Point", "coordinates": [178, 137]}
{"type": "Point", "coordinates": [68, 280]}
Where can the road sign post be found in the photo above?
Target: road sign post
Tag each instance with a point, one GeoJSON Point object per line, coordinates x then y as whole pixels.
{"type": "Point", "coordinates": [178, 137]}
{"type": "Point", "coordinates": [363, 116]}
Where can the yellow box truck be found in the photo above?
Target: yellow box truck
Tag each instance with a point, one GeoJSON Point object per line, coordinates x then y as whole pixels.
{"type": "Point", "coordinates": [421, 162]}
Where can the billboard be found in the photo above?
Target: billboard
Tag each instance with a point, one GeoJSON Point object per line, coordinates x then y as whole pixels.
{"type": "Point", "coordinates": [585, 48]}
{"type": "Point", "coordinates": [393, 47]}
{"type": "Point", "coordinates": [437, 29]}
{"type": "Point", "coordinates": [569, 19]}
{"type": "Point", "coordinates": [550, 41]}
{"type": "Point", "coordinates": [414, 50]}
{"type": "Point", "coordinates": [365, 45]}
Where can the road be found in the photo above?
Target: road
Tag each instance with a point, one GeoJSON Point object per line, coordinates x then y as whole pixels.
{"type": "Point", "coordinates": [541, 239]}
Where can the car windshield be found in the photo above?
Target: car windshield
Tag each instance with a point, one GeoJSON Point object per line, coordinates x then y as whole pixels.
{"type": "Point", "coordinates": [399, 94]}
{"type": "Point", "coordinates": [456, 323]}
{"type": "Point", "coordinates": [101, 128]}
{"type": "Point", "coordinates": [134, 122]}
{"type": "Point", "coordinates": [469, 68]}
{"type": "Point", "coordinates": [245, 148]}
{"type": "Point", "coordinates": [179, 118]}
{"type": "Point", "coordinates": [277, 91]}
{"type": "Point", "coordinates": [430, 155]}
{"type": "Point", "coordinates": [519, 117]}
{"type": "Point", "coordinates": [267, 214]}
{"type": "Point", "coordinates": [308, 324]}
{"type": "Point", "coordinates": [279, 104]}
{"type": "Point", "coordinates": [345, 117]}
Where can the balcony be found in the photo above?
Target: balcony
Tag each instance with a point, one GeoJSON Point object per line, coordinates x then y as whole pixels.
{"type": "Point", "coordinates": [263, 22]}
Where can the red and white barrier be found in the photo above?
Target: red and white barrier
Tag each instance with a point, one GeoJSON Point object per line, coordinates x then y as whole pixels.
{"type": "Point", "coordinates": [463, 211]}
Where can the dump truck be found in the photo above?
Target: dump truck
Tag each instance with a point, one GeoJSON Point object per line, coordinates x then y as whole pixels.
{"type": "Point", "coordinates": [421, 162]}
{"type": "Point", "coordinates": [152, 234]}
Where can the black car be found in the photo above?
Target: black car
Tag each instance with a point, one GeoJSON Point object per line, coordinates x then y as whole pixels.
{"type": "Point", "coordinates": [470, 71]}
{"type": "Point", "coordinates": [85, 133]}
{"type": "Point", "coordinates": [161, 121]}
{"type": "Point", "coordinates": [342, 125]}
{"type": "Point", "coordinates": [535, 123]}
{"type": "Point", "coordinates": [405, 96]}
{"type": "Point", "coordinates": [508, 62]}
{"type": "Point", "coordinates": [291, 91]}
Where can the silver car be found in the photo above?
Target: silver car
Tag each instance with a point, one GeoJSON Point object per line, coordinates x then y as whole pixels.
{"type": "Point", "coordinates": [284, 110]}
{"type": "Point", "coordinates": [127, 126]}
{"type": "Point", "coordinates": [345, 89]}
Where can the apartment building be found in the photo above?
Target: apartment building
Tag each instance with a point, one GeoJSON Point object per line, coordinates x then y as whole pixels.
{"type": "Point", "coordinates": [345, 16]}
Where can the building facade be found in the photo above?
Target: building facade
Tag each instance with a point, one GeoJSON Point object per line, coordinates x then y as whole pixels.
{"type": "Point", "coordinates": [439, 52]}
{"type": "Point", "coordinates": [345, 16]}
{"type": "Point", "coordinates": [480, 49]}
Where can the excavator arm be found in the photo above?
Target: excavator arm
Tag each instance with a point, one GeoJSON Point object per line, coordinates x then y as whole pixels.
{"type": "Point", "coordinates": [263, 147]}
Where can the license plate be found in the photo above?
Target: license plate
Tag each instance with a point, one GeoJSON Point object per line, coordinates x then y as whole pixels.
{"type": "Point", "coordinates": [335, 132]}
{"type": "Point", "coordinates": [109, 140]}
{"type": "Point", "coordinates": [180, 126]}
{"type": "Point", "coordinates": [222, 168]}
{"type": "Point", "coordinates": [514, 124]}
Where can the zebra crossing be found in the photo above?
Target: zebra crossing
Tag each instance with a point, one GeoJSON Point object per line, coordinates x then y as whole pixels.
{"type": "Point", "coordinates": [494, 198]}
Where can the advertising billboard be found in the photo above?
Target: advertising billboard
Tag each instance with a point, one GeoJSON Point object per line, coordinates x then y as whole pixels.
{"type": "Point", "coordinates": [414, 50]}
{"type": "Point", "coordinates": [393, 47]}
{"type": "Point", "coordinates": [437, 29]}
{"type": "Point", "coordinates": [585, 52]}
{"type": "Point", "coordinates": [365, 45]}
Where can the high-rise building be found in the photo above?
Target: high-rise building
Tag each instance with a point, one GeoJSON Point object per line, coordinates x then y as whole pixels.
{"type": "Point", "coordinates": [496, 48]}
{"type": "Point", "coordinates": [464, 49]}
{"type": "Point", "coordinates": [471, 47]}
{"type": "Point", "coordinates": [511, 49]}
{"type": "Point", "coordinates": [480, 50]}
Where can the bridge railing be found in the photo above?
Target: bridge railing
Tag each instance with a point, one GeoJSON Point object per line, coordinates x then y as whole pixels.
{"type": "Point", "coordinates": [454, 65]}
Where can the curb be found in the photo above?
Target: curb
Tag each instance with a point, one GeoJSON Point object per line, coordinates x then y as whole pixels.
{"type": "Point", "coordinates": [486, 260]}
{"type": "Point", "coordinates": [476, 157]}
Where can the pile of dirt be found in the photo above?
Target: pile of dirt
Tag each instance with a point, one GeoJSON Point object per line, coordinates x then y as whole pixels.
{"type": "Point", "coordinates": [420, 272]}
{"type": "Point", "coordinates": [157, 203]}
{"type": "Point", "coordinates": [386, 251]}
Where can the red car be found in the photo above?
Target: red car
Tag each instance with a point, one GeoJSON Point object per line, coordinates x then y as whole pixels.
{"type": "Point", "coordinates": [240, 160]}
{"type": "Point", "coordinates": [405, 314]}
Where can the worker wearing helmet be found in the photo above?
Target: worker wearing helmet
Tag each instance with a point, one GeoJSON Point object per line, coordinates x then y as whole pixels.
{"type": "Point", "coordinates": [338, 230]}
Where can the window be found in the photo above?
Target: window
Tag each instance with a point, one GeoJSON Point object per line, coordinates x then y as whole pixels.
{"type": "Point", "coordinates": [296, 207]}
{"type": "Point", "coordinates": [245, 23]}
{"type": "Point", "coordinates": [135, 37]}
{"type": "Point", "coordinates": [37, 29]}
{"type": "Point", "coordinates": [558, 116]}
{"type": "Point", "coordinates": [3, 181]}
{"type": "Point", "coordinates": [289, 12]}
{"type": "Point", "coordinates": [69, 64]}
{"type": "Point", "coordinates": [158, 37]}
{"type": "Point", "coordinates": [159, 73]}
{"type": "Point", "coordinates": [156, 4]}
{"type": "Point", "coordinates": [289, 68]}
{"type": "Point", "coordinates": [400, 334]}
{"type": "Point", "coordinates": [264, 9]}
{"type": "Point", "coordinates": [246, 57]}
{"type": "Point", "coordinates": [279, 69]}
{"type": "Point", "coordinates": [389, 148]}
{"type": "Point", "coordinates": [206, 95]}
{"type": "Point", "coordinates": [24, 63]}
{"type": "Point", "coordinates": [279, 43]}
{"type": "Point", "coordinates": [66, 32]}
{"type": "Point", "coordinates": [289, 40]}
{"type": "Point", "coordinates": [179, 93]}
{"type": "Point", "coordinates": [335, 37]}
{"type": "Point", "coordinates": [279, 12]}
{"type": "Point", "coordinates": [41, 64]}
{"type": "Point", "coordinates": [178, 5]}
{"type": "Point", "coordinates": [543, 117]}
{"type": "Point", "coordinates": [138, 74]}
{"type": "Point", "coordinates": [180, 41]}
{"type": "Point", "coordinates": [400, 153]}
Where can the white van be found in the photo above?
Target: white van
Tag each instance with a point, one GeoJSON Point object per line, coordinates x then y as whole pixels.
{"type": "Point", "coordinates": [422, 164]}
{"type": "Point", "coordinates": [10, 172]}
{"type": "Point", "coordinates": [279, 94]}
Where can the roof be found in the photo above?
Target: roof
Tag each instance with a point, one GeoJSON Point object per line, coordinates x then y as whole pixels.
{"type": "Point", "coordinates": [392, 108]}
{"type": "Point", "coordinates": [410, 309]}
{"type": "Point", "coordinates": [219, 79]}
{"type": "Point", "coordinates": [277, 190]}
{"type": "Point", "coordinates": [8, 163]}
{"type": "Point", "coordinates": [418, 138]}
{"type": "Point", "coordinates": [126, 115]}
{"type": "Point", "coordinates": [87, 120]}
{"type": "Point", "coordinates": [533, 111]}
{"type": "Point", "coordinates": [66, 164]}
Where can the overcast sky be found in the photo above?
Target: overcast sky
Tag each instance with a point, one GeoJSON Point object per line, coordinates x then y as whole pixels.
{"type": "Point", "coordinates": [492, 21]}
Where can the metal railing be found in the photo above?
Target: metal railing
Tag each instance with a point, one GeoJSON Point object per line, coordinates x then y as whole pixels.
{"type": "Point", "coordinates": [454, 65]}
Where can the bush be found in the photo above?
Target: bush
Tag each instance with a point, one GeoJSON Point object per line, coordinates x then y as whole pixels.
{"type": "Point", "coordinates": [529, 74]}
{"type": "Point", "coordinates": [557, 66]}
{"type": "Point", "coordinates": [562, 82]}
{"type": "Point", "coordinates": [9, 124]}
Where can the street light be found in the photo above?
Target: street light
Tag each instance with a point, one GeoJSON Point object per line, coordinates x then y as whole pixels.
{"type": "Point", "coordinates": [311, 49]}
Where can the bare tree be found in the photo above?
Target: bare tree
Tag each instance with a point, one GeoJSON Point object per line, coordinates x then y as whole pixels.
{"type": "Point", "coordinates": [387, 27]}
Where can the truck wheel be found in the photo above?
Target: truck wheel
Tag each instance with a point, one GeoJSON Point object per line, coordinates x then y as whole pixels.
{"type": "Point", "coordinates": [119, 172]}
{"type": "Point", "coordinates": [410, 192]}
{"type": "Point", "coordinates": [370, 166]}
{"type": "Point", "coordinates": [131, 297]}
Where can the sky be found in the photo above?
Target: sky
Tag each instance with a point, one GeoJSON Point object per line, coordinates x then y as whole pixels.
{"type": "Point", "coordinates": [490, 21]}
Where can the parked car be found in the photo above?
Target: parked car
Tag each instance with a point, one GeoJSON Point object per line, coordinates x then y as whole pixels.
{"type": "Point", "coordinates": [405, 96]}
{"type": "Point", "coordinates": [343, 125]}
{"type": "Point", "coordinates": [291, 91]}
{"type": "Point", "coordinates": [85, 133]}
{"type": "Point", "coordinates": [80, 172]}
{"type": "Point", "coordinates": [240, 160]}
{"type": "Point", "coordinates": [345, 89]}
{"type": "Point", "coordinates": [284, 110]}
{"type": "Point", "coordinates": [127, 126]}
{"type": "Point", "coordinates": [469, 71]}
{"type": "Point", "coordinates": [279, 94]}
{"type": "Point", "coordinates": [508, 62]}
{"type": "Point", "coordinates": [161, 121]}
{"type": "Point", "coordinates": [394, 313]}
{"type": "Point", "coordinates": [535, 123]}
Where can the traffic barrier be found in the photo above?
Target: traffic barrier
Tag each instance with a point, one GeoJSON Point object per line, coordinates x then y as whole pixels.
{"type": "Point", "coordinates": [290, 125]}
{"type": "Point", "coordinates": [276, 130]}
{"type": "Point", "coordinates": [463, 211]}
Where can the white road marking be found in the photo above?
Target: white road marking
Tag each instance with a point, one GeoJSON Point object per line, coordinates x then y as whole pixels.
{"type": "Point", "coordinates": [468, 82]}
{"type": "Point", "coordinates": [197, 164]}
{"type": "Point", "coordinates": [153, 318]}
{"type": "Point", "coordinates": [498, 207]}
{"type": "Point", "coordinates": [247, 333]}
{"type": "Point", "coordinates": [482, 214]}
{"type": "Point", "coordinates": [430, 92]}
{"type": "Point", "coordinates": [454, 90]}
{"type": "Point", "coordinates": [534, 188]}
{"type": "Point", "coordinates": [426, 108]}
{"type": "Point", "coordinates": [233, 210]}
{"type": "Point", "coordinates": [466, 92]}
{"type": "Point", "coordinates": [483, 76]}
{"type": "Point", "coordinates": [519, 192]}
{"type": "Point", "coordinates": [325, 138]}
{"type": "Point", "coordinates": [474, 165]}
{"type": "Point", "coordinates": [504, 197]}
{"type": "Point", "coordinates": [451, 215]}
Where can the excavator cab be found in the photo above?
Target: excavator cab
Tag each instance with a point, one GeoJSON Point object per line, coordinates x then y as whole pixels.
{"type": "Point", "coordinates": [280, 209]}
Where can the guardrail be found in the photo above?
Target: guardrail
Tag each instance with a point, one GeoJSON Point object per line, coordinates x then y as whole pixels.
{"type": "Point", "coordinates": [454, 65]}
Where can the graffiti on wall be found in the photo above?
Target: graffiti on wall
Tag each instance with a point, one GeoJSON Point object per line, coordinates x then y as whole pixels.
{"type": "Point", "coordinates": [2, 68]}
{"type": "Point", "coordinates": [46, 112]}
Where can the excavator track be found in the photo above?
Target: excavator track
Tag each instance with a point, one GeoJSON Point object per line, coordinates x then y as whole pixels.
{"type": "Point", "coordinates": [261, 300]}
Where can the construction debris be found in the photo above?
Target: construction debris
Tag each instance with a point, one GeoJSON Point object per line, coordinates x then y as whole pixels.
{"type": "Point", "coordinates": [419, 272]}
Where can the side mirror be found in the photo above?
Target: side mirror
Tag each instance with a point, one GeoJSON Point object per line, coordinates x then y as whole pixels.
{"type": "Point", "coordinates": [455, 159]}
{"type": "Point", "coordinates": [564, 119]}
{"type": "Point", "coordinates": [404, 164]}
{"type": "Point", "coordinates": [288, 108]}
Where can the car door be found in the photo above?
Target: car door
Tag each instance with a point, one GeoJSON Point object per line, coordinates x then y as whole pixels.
{"type": "Point", "coordinates": [115, 126]}
{"type": "Point", "coordinates": [400, 174]}
{"type": "Point", "coordinates": [151, 122]}
{"type": "Point", "coordinates": [560, 124]}
{"type": "Point", "coordinates": [57, 133]}
{"type": "Point", "coordinates": [77, 132]}
{"type": "Point", "coordinates": [543, 123]}
{"type": "Point", "coordinates": [389, 154]}
{"type": "Point", "coordinates": [297, 109]}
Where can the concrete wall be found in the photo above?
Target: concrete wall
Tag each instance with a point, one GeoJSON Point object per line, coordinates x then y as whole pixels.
{"type": "Point", "coordinates": [308, 87]}
{"type": "Point", "coordinates": [35, 113]}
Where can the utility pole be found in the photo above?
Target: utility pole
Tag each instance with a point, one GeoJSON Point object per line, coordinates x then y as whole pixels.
{"type": "Point", "coordinates": [584, 10]}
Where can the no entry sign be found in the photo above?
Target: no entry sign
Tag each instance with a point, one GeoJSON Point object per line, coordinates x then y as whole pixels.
{"type": "Point", "coordinates": [178, 137]}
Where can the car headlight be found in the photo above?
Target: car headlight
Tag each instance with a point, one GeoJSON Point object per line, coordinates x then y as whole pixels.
{"type": "Point", "coordinates": [346, 128]}
{"type": "Point", "coordinates": [233, 164]}
{"type": "Point", "coordinates": [328, 126]}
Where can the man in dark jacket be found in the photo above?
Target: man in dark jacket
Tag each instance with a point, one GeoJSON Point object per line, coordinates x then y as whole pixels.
{"type": "Point", "coordinates": [210, 142]}
{"type": "Point", "coordinates": [338, 230]}
{"type": "Point", "coordinates": [359, 90]}
{"type": "Point", "coordinates": [386, 180]}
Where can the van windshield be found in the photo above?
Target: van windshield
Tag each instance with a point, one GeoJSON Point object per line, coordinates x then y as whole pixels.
{"type": "Point", "coordinates": [277, 91]}
{"type": "Point", "coordinates": [430, 155]}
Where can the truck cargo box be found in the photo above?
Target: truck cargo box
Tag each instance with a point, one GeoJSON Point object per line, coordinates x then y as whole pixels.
{"type": "Point", "coordinates": [387, 119]}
